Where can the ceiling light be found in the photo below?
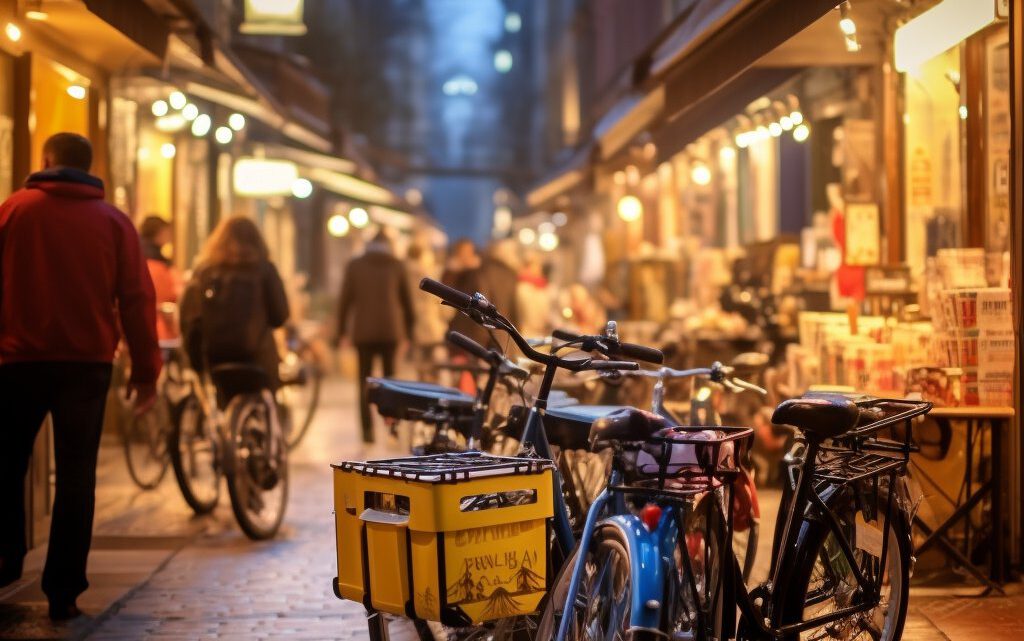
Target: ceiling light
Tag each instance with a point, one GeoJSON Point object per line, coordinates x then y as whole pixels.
{"type": "Point", "coordinates": [801, 133]}
{"type": "Point", "coordinates": [236, 121]}
{"type": "Point", "coordinates": [527, 236]}
{"type": "Point", "coordinates": [177, 100]}
{"type": "Point", "coordinates": [548, 241]}
{"type": "Point", "coordinates": [358, 217]}
{"type": "Point", "coordinates": [159, 108]}
{"type": "Point", "coordinates": [13, 32]}
{"type": "Point", "coordinates": [743, 139]}
{"type": "Point", "coordinates": [943, 26]}
{"type": "Point", "coordinates": [559, 218]}
{"type": "Point", "coordinates": [76, 91]}
{"type": "Point", "coordinates": [260, 177]}
{"type": "Point", "coordinates": [503, 60]}
{"type": "Point", "coordinates": [222, 135]}
{"type": "Point", "coordinates": [189, 112]}
{"type": "Point", "coordinates": [171, 123]}
{"type": "Point", "coordinates": [337, 225]}
{"type": "Point", "coordinates": [302, 188]}
{"type": "Point", "coordinates": [629, 208]}
{"type": "Point", "coordinates": [786, 123]}
{"type": "Point", "coordinates": [727, 154]}
{"type": "Point", "coordinates": [796, 117]}
{"type": "Point", "coordinates": [513, 22]}
{"type": "Point", "coordinates": [546, 227]}
{"type": "Point", "coordinates": [167, 150]}
{"type": "Point", "coordinates": [963, 112]}
{"type": "Point", "coordinates": [700, 174]}
{"type": "Point", "coordinates": [775, 129]}
{"type": "Point", "coordinates": [201, 125]}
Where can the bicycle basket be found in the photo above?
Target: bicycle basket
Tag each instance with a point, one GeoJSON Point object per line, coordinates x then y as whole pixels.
{"type": "Point", "coordinates": [691, 457]}
{"type": "Point", "coordinates": [458, 538]}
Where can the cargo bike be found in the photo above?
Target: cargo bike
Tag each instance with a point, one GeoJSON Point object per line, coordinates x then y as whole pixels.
{"type": "Point", "coordinates": [472, 538]}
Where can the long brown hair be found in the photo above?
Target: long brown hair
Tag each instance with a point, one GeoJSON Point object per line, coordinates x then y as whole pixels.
{"type": "Point", "coordinates": [235, 241]}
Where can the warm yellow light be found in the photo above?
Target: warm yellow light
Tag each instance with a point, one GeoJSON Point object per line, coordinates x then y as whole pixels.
{"type": "Point", "coordinates": [222, 135]}
{"type": "Point", "coordinates": [302, 188]}
{"type": "Point", "coordinates": [761, 133]}
{"type": "Point", "coordinates": [548, 241]}
{"type": "Point", "coordinates": [727, 154]}
{"type": "Point", "coordinates": [796, 118]}
{"type": "Point", "coordinates": [201, 125]}
{"type": "Point", "coordinates": [619, 177]}
{"type": "Point", "coordinates": [848, 26]}
{"type": "Point", "coordinates": [37, 14]}
{"type": "Point", "coordinates": [260, 177]}
{"type": "Point", "coordinates": [177, 100]}
{"type": "Point", "coordinates": [527, 236]}
{"type": "Point", "coordinates": [546, 227]}
{"type": "Point", "coordinates": [700, 174]}
{"type": "Point", "coordinates": [13, 32]}
{"type": "Point", "coordinates": [559, 218]}
{"type": "Point", "coordinates": [801, 133]}
{"type": "Point", "coordinates": [567, 313]}
{"type": "Point", "coordinates": [167, 150]}
{"type": "Point", "coordinates": [159, 108]}
{"type": "Point", "coordinates": [171, 123]}
{"type": "Point", "coordinates": [775, 129]}
{"type": "Point", "coordinates": [704, 393]}
{"type": "Point", "coordinates": [279, 8]}
{"type": "Point", "coordinates": [76, 91]}
{"type": "Point", "coordinates": [337, 225]}
{"type": "Point", "coordinates": [630, 208]}
{"type": "Point", "coordinates": [786, 123]}
{"type": "Point", "coordinates": [236, 121]}
{"type": "Point", "coordinates": [943, 26]}
{"type": "Point", "coordinates": [963, 112]}
{"type": "Point", "coordinates": [189, 112]}
{"type": "Point", "coordinates": [358, 217]}
{"type": "Point", "coordinates": [743, 139]}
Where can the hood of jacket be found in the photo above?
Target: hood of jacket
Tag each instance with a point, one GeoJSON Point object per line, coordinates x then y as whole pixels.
{"type": "Point", "coordinates": [67, 182]}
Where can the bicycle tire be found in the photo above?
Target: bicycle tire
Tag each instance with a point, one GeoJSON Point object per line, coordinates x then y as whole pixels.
{"type": "Point", "coordinates": [132, 437]}
{"type": "Point", "coordinates": [201, 503]}
{"type": "Point", "coordinates": [813, 541]}
{"type": "Point", "coordinates": [298, 432]}
{"type": "Point", "coordinates": [249, 469]}
{"type": "Point", "coordinates": [607, 540]}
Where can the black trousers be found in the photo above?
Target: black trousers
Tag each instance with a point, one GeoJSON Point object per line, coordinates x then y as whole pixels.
{"type": "Point", "coordinates": [74, 394]}
{"type": "Point", "coordinates": [368, 353]}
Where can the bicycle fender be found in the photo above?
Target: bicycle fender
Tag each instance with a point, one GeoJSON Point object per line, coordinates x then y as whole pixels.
{"type": "Point", "coordinates": [651, 554]}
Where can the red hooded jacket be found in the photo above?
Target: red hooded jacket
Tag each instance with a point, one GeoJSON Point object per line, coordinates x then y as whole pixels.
{"type": "Point", "coordinates": [70, 266]}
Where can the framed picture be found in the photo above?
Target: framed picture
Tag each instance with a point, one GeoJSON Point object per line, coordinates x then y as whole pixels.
{"type": "Point", "coordinates": [863, 234]}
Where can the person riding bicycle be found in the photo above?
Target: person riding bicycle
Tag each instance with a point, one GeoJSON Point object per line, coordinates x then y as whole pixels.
{"type": "Point", "coordinates": [233, 303]}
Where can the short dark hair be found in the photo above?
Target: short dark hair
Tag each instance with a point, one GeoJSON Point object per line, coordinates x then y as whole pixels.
{"type": "Point", "coordinates": [151, 227]}
{"type": "Point", "coordinates": [69, 150]}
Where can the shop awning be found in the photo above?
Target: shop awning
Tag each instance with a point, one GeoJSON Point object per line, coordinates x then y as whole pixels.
{"type": "Point", "coordinates": [353, 188]}
{"type": "Point", "coordinates": [724, 54]}
{"type": "Point", "coordinates": [626, 119]}
{"type": "Point", "coordinates": [565, 177]}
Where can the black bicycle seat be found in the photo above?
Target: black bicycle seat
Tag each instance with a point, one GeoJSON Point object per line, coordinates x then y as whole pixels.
{"type": "Point", "coordinates": [409, 400]}
{"type": "Point", "coordinates": [626, 424]}
{"type": "Point", "coordinates": [819, 415]}
{"type": "Point", "coordinates": [239, 378]}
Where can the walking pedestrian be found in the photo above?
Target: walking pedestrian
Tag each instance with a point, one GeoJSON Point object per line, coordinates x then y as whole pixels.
{"type": "Point", "coordinates": [428, 331]}
{"type": "Point", "coordinates": [73, 276]}
{"type": "Point", "coordinates": [375, 313]}
{"type": "Point", "coordinates": [533, 299]}
{"type": "Point", "coordinates": [234, 302]}
{"type": "Point", "coordinates": [156, 234]}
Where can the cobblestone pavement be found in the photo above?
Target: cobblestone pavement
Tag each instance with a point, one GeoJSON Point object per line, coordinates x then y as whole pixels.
{"type": "Point", "coordinates": [158, 572]}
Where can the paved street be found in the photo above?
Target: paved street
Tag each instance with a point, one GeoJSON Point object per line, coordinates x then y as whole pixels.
{"type": "Point", "coordinates": [159, 573]}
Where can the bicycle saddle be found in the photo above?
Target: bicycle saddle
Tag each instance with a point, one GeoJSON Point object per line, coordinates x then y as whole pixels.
{"type": "Point", "coordinates": [239, 378]}
{"type": "Point", "coordinates": [409, 400]}
{"type": "Point", "coordinates": [626, 424]}
{"type": "Point", "coordinates": [820, 415]}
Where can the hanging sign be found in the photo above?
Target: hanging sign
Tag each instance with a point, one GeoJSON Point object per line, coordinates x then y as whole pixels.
{"type": "Point", "coordinates": [273, 18]}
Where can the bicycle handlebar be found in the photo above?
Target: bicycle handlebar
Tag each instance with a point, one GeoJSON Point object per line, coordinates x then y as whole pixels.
{"type": "Point", "coordinates": [615, 347]}
{"type": "Point", "coordinates": [479, 309]}
{"type": "Point", "coordinates": [469, 345]}
{"type": "Point", "coordinates": [490, 356]}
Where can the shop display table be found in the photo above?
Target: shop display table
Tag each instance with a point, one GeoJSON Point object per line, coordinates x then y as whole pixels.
{"type": "Point", "coordinates": [994, 420]}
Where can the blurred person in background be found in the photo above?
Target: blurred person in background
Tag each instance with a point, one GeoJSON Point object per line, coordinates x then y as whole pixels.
{"type": "Point", "coordinates": [429, 329]}
{"type": "Point", "coordinates": [533, 298]}
{"type": "Point", "coordinates": [460, 268]}
{"type": "Point", "coordinates": [375, 313]}
{"type": "Point", "coordinates": [72, 278]}
{"type": "Point", "coordinates": [585, 313]}
{"type": "Point", "coordinates": [234, 302]}
{"type": "Point", "coordinates": [156, 233]}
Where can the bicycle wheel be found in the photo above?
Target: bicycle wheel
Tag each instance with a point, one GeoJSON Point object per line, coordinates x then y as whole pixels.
{"type": "Point", "coordinates": [602, 607]}
{"type": "Point", "coordinates": [193, 449]}
{"type": "Point", "coordinates": [299, 397]}
{"type": "Point", "coordinates": [256, 466]}
{"type": "Point", "coordinates": [825, 580]}
{"type": "Point", "coordinates": [145, 440]}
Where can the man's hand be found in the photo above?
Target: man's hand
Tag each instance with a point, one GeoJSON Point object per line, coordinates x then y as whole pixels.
{"type": "Point", "coordinates": [143, 396]}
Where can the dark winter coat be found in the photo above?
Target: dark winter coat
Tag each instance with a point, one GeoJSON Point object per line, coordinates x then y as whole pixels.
{"type": "Point", "coordinates": [375, 305]}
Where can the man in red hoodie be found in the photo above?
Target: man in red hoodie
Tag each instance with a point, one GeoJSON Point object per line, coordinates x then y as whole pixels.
{"type": "Point", "coordinates": [72, 275]}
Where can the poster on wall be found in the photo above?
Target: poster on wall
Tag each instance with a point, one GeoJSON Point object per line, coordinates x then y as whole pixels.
{"type": "Point", "coordinates": [863, 233]}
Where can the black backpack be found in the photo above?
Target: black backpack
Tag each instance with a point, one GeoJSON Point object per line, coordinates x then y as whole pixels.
{"type": "Point", "coordinates": [233, 317]}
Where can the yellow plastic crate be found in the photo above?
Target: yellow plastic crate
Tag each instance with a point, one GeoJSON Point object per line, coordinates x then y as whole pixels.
{"type": "Point", "coordinates": [457, 538]}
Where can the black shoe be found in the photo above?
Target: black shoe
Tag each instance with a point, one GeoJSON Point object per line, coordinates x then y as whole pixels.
{"type": "Point", "coordinates": [64, 611]}
{"type": "Point", "coordinates": [10, 571]}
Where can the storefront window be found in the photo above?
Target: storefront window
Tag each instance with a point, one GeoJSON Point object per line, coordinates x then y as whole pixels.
{"type": "Point", "coordinates": [59, 103]}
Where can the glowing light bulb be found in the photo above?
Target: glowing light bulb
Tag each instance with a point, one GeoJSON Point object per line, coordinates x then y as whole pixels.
{"type": "Point", "coordinates": [775, 129]}
{"type": "Point", "coordinates": [159, 108]}
{"type": "Point", "coordinates": [801, 133]}
{"type": "Point", "coordinates": [796, 118]}
{"type": "Point", "coordinates": [177, 100]}
{"type": "Point", "coordinates": [236, 121]}
{"type": "Point", "coordinates": [527, 236]}
{"type": "Point", "coordinates": [630, 208]}
{"type": "Point", "coordinates": [189, 112]}
{"type": "Point", "coordinates": [76, 91]}
{"type": "Point", "coordinates": [223, 135]}
{"type": "Point", "coordinates": [337, 225]}
{"type": "Point", "coordinates": [201, 125]}
{"type": "Point", "coordinates": [168, 150]}
{"type": "Point", "coordinates": [548, 241]}
{"type": "Point", "coordinates": [358, 217]}
{"type": "Point", "coordinates": [302, 188]}
{"type": "Point", "coordinates": [13, 32]}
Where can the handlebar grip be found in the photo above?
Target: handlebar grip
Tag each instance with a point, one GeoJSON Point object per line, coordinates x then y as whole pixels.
{"type": "Point", "coordinates": [517, 372]}
{"type": "Point", "coordinates": [565, 335]}
{"type": "Point", "coordinates": [642, 353]}
{"type": "Point", "coordinates": [452, 296]}
{"type": "Point", "coordinates": [468, 344]}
